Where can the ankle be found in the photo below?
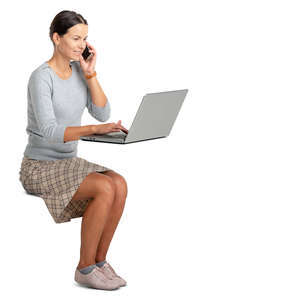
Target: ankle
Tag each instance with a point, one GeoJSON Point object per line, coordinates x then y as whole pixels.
{"type": "Point", "coordinates": [100, 259]}
{"type": "Point", "coordinates": [83, 264]}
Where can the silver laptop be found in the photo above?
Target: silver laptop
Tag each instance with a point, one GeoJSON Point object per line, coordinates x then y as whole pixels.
{"type": "Point", "coordinates": [154, 119]}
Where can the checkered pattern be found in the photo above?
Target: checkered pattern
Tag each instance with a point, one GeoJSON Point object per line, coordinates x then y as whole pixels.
{"type": "Point", "coordinates": [56, 181]}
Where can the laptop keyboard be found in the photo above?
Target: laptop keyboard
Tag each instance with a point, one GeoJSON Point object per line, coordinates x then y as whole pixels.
{"type": "Point", "coordinates": [117, 134]}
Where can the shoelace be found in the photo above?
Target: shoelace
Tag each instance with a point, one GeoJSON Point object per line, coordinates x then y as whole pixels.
{"type": "Point", "coordinates": [112, 270]}
{"type": "Point", "coordinates": [105, 267]}
{"type": "Point", "coordinates": [101, 271]}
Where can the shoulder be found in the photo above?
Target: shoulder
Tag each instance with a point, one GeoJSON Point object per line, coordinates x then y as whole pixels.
{"type": "Point", "coordinates": [41, 74]}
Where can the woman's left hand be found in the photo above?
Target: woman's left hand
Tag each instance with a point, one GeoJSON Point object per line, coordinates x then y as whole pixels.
{"type": "Point", "coordinates": [88, 66]}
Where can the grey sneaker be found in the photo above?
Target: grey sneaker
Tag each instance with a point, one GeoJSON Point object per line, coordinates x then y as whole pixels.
{"type": "Point", "coordinates": [110, 273]}
{"type": "Point", "coordinates": [96, 279]}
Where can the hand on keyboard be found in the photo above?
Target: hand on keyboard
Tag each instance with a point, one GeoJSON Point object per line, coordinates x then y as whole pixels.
{"type": "Point", "coordinates": [109, 128]}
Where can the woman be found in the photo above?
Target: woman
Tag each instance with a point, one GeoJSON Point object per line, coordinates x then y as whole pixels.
{"type": "Point", "coordinates": [72, 187]}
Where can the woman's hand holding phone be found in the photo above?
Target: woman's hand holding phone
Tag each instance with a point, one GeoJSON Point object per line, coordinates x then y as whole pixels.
{"type": "Point", "coordinates": [88, 65]}
{"type": "Point", "coordinates": [109, 127]}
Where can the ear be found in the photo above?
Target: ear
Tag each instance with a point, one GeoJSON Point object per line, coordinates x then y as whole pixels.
{"type": "Point", "coordinates": [56, 38]}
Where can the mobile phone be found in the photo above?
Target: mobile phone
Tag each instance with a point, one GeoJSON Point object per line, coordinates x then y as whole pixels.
{"type": "Point", "coordinates": [86, 53]}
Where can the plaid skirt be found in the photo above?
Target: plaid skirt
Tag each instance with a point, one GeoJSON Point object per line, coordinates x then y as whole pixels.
{"type": "Point", "coordinates": [56, 181]}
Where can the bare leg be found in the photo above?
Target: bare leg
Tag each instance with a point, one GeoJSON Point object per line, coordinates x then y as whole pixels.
{"type": "Point", "coordinates": [114, 215]}
{"type": "Point", "coordinates": [101, 189]}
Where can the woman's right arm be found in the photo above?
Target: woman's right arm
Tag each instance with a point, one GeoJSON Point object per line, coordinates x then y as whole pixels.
{"type": "Point", "coordinates": [73, 133]}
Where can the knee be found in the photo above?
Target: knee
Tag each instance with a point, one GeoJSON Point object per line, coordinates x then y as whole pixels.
{"type": "Point", "coordinates": [104, 185]}
{"type": "Point", "coordinates": [121, 187]}
{"type": "Point", "coordinates": [121, 184]}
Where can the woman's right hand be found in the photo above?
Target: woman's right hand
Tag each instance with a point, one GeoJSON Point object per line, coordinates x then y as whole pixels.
{"type": "Point", "coordinates": [109, 127]}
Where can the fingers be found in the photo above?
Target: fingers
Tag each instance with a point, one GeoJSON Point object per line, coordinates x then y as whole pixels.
{"type": "Point", "coordinates": [89, 45]}
{"type": "Point", "coordinates": [92, 49]}
{"type": "Point", "coordinates": [121, 128]}
{"type": "Point", "coordinates": [118, 126]}
{"type": "Point", "coordinates": [124, 129]}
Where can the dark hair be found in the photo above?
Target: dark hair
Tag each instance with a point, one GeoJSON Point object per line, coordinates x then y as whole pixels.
{"type": "Point", "coordinates": [65, 20]}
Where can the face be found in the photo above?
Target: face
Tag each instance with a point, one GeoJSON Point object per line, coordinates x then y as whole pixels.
{"type": "Point", "coordinates": [73, 43]}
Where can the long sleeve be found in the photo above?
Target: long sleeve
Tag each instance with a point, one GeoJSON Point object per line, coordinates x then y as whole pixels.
{"type": "Point", "coordinates": [101, 114]}
{"type": "Point", "coordinates": [40, 94]}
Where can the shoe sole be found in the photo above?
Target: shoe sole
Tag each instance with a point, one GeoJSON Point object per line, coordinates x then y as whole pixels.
{"type": "Point", "coordinates": [91, 287]}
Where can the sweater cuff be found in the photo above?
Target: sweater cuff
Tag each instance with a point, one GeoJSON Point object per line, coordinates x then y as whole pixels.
{"type": "Point", "coordinates": [59, 133]}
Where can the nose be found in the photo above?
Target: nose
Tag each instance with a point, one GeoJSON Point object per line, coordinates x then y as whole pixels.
{"type": "Point", "coordinates": [82, 46]}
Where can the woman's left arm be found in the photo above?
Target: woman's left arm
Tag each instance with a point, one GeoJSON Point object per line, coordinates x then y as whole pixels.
{"type": "Point", "coordinates": [100, 113]}
{"type": "Point", "coordinates": [88, 68]}
{"type": "Point", "coordinates": [99, 106]}
{"type": "Point", "coordinates": [97, 94]}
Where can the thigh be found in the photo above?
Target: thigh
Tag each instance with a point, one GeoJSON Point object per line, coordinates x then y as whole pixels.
{"type": "Point", "coordinates": [93, 184]}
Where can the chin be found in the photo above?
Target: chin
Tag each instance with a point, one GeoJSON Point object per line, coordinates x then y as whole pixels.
{"type": "Point", "coordinates": [76, 58]}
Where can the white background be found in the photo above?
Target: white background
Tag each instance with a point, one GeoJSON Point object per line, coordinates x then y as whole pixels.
{"type": "Point", "coordinates": [213, 210]}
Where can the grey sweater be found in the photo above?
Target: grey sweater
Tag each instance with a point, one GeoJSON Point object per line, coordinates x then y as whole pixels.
{"type": "Point", "coordinates": [53, 104]}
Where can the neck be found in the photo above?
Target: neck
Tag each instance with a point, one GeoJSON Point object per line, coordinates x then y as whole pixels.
{"type": "Point", "coordinates": [60, 63]}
